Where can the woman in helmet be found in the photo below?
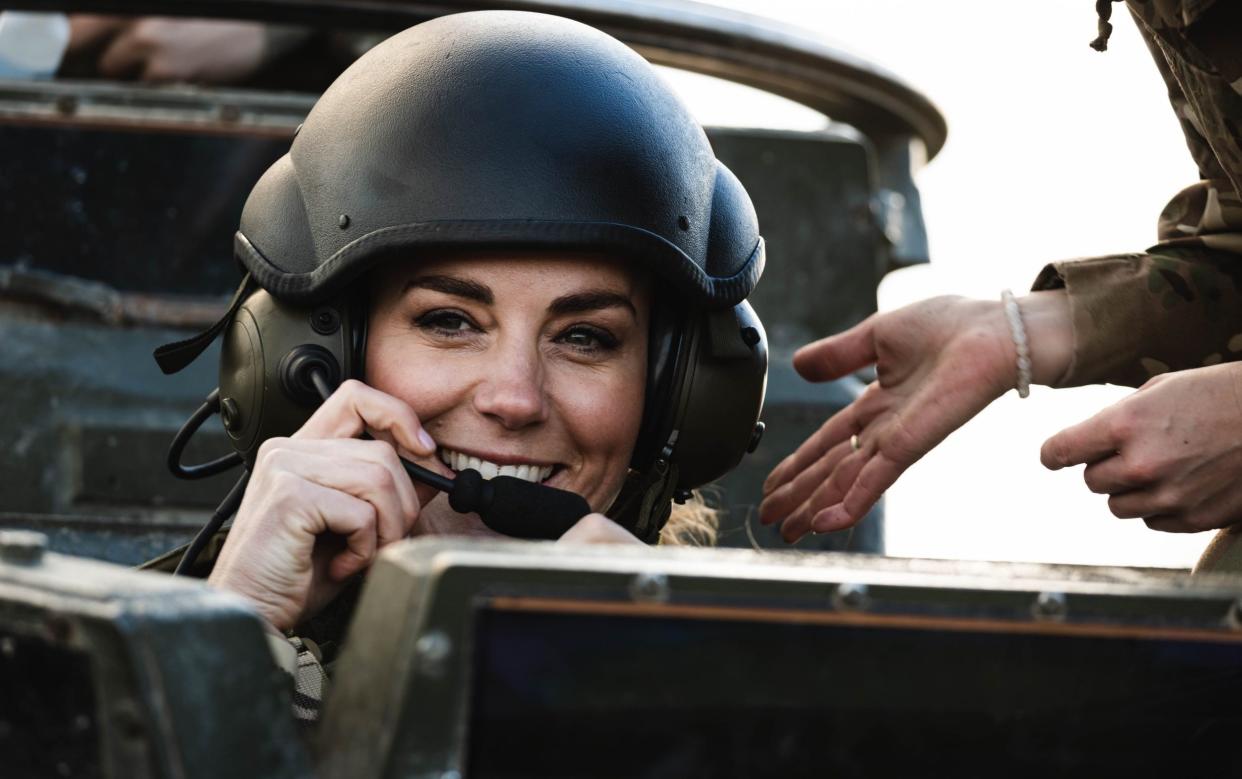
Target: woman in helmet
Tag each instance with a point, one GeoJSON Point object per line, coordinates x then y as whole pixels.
{"type": "Point", "coordinates": [516, 248]}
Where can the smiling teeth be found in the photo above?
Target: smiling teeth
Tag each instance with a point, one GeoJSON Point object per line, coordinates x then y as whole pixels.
{"type": "Point", "coordinates": [460, 462]}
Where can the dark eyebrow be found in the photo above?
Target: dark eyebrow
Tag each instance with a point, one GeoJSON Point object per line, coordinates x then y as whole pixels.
{"type": "Point", "coordinates": [582, 302]}
{"type": "Point", "coordinates": [450, 285]}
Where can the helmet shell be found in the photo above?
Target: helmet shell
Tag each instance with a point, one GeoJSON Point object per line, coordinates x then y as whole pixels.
{"type": "Point", "coordinates": [500, 129]}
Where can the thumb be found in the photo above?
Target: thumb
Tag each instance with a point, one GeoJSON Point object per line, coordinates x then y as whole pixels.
{"type": "Point", "coordinates": [838, 355]}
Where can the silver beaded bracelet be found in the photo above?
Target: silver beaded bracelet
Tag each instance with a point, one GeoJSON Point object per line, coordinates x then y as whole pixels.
{"type": "Point", "coordinates": [1018, 331]}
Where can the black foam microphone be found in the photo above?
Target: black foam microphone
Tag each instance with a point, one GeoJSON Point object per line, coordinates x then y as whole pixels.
{"type": "Point", "coordinates": [516, 507]}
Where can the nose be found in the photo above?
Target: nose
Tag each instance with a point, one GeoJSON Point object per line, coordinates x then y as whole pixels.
{"type": "Point", "coordinates": [512, 392]}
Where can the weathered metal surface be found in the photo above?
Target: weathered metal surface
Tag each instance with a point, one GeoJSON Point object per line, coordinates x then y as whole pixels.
{"type": "Point", "coordinates": [739, 47]}
{"type": "Point", "coordinates": [498, 659]}
{"type": "Point", "coordinates": [113, 673]}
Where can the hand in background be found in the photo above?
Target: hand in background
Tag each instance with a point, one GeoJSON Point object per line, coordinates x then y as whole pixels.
{"type": "Point", "coordinates": [1170, 453]}
{"type": "Point", "coordinates": [938, 363]}
{"type": "Point", "coordinates": [166, 50]}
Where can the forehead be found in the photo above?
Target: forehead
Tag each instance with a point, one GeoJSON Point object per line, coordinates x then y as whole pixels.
{"type": "Point", "coordinates": [550, 273]}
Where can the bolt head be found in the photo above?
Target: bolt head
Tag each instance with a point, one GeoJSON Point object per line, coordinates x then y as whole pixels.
{"type": "Point", "coordinates": [650, 588]}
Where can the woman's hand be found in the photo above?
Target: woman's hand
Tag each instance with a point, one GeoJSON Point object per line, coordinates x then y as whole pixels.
{"type": "Point", "coordinates": [320, 505]}
{"type": "Point", "coordinates": [938, 363]}
{"type": "Point", "coordinates": [598, 529]}
{"type": "Point", "coordinates": [1170, 453]}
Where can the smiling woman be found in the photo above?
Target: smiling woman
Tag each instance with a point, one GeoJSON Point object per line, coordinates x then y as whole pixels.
{"type": "Point", "coordinates": [535, 366]}
{"type": "Point", "coordinates": [552, 297]}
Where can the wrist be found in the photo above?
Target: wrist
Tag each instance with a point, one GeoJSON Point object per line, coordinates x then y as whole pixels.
{"type": "Point", "coordinates": [1049, 333]}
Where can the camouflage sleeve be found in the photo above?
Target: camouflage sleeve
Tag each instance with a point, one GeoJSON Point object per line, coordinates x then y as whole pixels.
{"type": "Point", "coordinates": [1179, 304]}
{"type": "Point", "coordinates": [301, 660]}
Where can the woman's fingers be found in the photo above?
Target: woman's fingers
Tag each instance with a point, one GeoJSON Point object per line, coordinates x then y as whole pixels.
{"type": "Point", "coordinates": [875, 477]}
{"type": "Point", "coordinates": [356, 408]}
{"type": "Point", "coordinates": [793, 493]}
{"type": "Point", "coordinates": [826, 494]}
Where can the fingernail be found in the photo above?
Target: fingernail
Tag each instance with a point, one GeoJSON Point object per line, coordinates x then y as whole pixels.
{"type": "Point", "coordinates": [426, 440]}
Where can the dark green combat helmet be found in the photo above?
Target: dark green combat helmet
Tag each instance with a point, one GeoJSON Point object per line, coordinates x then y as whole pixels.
{"type": "Point", "coordinates": [509, 130]}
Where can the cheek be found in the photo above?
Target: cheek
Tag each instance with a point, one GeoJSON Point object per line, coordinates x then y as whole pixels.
{"type": "Point", "coordinates": [398, 367]}
{"type": "Point", "coordinates": [604, 413]}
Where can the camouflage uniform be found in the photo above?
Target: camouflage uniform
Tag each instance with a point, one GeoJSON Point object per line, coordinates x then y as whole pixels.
{"type": "Point", "coordinates": [1179, 304]}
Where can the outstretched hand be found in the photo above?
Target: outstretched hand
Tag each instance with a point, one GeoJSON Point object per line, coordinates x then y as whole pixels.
{"type": "Point", "coordinates": [1170, 453]}
{"type": "Point", "coordinates": [938, 363]}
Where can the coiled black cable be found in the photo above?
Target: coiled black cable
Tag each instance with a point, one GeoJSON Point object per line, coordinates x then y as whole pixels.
{"type": "Point", "coordinates": [210, 407]}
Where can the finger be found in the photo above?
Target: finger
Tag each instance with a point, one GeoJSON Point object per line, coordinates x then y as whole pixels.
{"type": "Point", "coordinates": [86, 30]}
{"type": "Point", "coordinates": [1113, 475]}
{"type": "Point", "coordinates": [837, 355]}
{"type": "Point", "coordinates": [411, 496]}
{"type": "Point", "coordinates": [358, 476]}
{"type": "Point", "coordinates": [1138, 503]}
{"type": "Point", "coordinates": [355, 521]}
{"type": "Point", "coordinates": [782, 501]}
{"type": "Point", "coordinates": [873, 480]}
{"type": "Point", "coordinates": [356, 408]}
{"type": "Point", "coordinates": [125, 56]}
{"type": "Point", "coordinates": [325, 510]}
{"type": "Point", "coordinates": [827, 494]}
{"type": "Point", "coordinates": [837, 429]}
{"type": "Point", "coordinates": [1171, 524]}
{"type": "Point", "coordinates": [1085, 442]}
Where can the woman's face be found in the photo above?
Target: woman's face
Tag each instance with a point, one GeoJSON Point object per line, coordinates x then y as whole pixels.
{"type": "Point", "coordinates": [525, 365]}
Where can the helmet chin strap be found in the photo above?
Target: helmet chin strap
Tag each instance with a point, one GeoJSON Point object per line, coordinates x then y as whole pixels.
{"type": "Point", "coordinates": [646, 500]}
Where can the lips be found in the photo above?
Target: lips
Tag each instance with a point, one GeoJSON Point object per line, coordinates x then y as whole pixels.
{"type": "Point", "coordinates": [532, 472]}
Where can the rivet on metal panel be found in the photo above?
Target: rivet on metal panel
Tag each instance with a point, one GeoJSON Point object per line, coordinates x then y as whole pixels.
{"type": "Point", "coordinates": [650, 588]}
{"type": "Point", "coordinates": [1049, 605]}
{"type": "Point", "coordinates": [432, 650]}
{"type": "Point", "coordinates": [23, 547]}
{"type": "Point", "coordinates": [342, 221]}
{"type": "Point", "coordinates": [851, 597]}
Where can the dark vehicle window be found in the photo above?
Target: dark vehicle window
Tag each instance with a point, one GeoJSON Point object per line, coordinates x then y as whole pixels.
{"type": "Point", "coordinates": [144, 212]}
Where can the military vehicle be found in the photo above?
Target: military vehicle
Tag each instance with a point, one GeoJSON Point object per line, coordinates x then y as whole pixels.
{"type": "Point", "coordinates": [119, 201]}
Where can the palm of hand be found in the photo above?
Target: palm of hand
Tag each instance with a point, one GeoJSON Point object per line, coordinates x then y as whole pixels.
{"type": "Point", "coordinates": [938, 363]}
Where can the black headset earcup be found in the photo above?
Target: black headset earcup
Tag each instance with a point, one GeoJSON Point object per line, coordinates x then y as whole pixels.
{"type": "Point", "coordinates": [719, 396]}
{"type": "Point", "coordinates": [255, 400]}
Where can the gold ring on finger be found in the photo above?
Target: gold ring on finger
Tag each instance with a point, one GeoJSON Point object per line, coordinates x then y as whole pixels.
{"type": "Point", "coordinates": [855, 444]}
